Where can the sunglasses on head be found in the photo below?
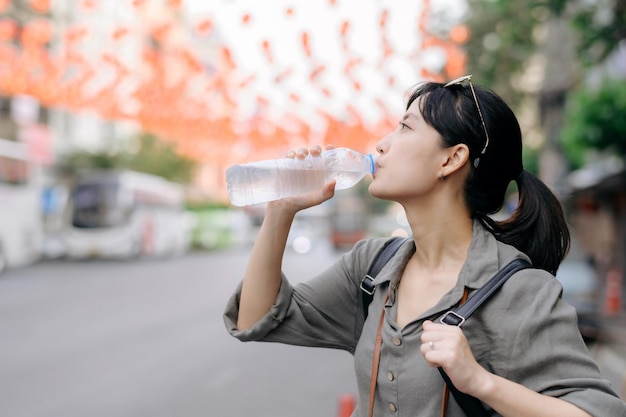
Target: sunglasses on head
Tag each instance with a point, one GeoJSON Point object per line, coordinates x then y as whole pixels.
{"type": "Point", "coordinates": [467, 80]}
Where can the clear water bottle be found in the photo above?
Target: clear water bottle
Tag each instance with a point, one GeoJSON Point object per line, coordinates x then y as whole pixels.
{"type": "Point", "coordinates": [259, 182]}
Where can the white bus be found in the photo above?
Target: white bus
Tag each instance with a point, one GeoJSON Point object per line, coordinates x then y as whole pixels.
{"type": "Point", "coordinates": [125, 214]}
{"type": "Point", "coordinates": [21, 221]}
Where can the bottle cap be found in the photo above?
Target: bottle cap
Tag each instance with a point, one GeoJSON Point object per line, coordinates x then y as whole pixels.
{"type": "Point", "coordinates": [372, 165]}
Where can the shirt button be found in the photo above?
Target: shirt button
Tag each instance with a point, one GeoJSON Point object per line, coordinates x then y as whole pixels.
{"type": "Point", "coordinates": [393, 407]}
{"type": "Point", "coordinates": [396, 341]}
{"type": "Point", "coordinates": [390, 376]}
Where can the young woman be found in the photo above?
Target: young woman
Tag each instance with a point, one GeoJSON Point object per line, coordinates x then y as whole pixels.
{"type": "Point", "coordinates": [449, 163]}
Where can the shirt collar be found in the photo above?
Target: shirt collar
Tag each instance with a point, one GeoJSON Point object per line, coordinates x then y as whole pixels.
{"type": "Point", "coordinates": [481, 263]}
{"type": "Point", "coordinates": [482, 258]}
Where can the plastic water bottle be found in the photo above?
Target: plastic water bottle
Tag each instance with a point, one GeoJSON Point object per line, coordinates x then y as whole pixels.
{"type": "Point", "coordinates": [259, 182]}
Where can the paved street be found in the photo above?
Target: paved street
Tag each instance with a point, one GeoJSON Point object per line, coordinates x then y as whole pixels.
{"type": "Point", "coordinates": [107, 339]}
{"type": "Point", "coordinates": [93, 339]}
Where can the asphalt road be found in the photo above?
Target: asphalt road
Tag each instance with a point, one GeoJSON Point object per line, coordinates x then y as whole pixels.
{"type": "Point", "coordinates": [108, 339]}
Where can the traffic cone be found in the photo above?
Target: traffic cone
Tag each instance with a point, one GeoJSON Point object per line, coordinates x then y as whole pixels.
{"type": "Point", "coordinates": [346, 405]}
{"type": "Point", "coordinates": [613, 294]}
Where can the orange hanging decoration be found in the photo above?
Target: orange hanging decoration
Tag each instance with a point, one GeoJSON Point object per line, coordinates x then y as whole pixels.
{"type": "Point", "coordinates": [384, 16]}
{"type": "Point", "coordinates": [227, 57]}
{"type": "Point", "coordinates": [316, 72]}
{"type": "Point", "coordinates": [267, 51]}
{"type": "Point", "coordinates": [75, 33]}
{"type": "Point", "coordinates": [36, 33]}
{"type": "Point", "coordinates": [174, 4]}
{"type": "Point", "coordinates": [345, 27]}
{"type": "Point", "coordinates": [456, 63]}
{"type": "Point", "coordinates": [430, 41]}
{"type": "Point", "coordinates": [8, 29]}
{"type": "Point", "coordinates": [89, 4]}
{"type": "Point", "coordinates": [423, 17]}
{"type": "Point", "coordinates": [4, 4]}
{"type": "Point", "coordinates": [192, 63]}
{"type": "Point", "coordinates": [306, 46]}
{"type": "Point", "coordinates": [39, 6]}
{"type": "Point", "coordinates": [246, 82]}
{"type": "Point", "coordinates": [283, 75]}
{"type": "Point", "coordinates": [119, 33]}
{"type": "Point", "coordinates": [161, 31]}
{"type": "Point", "coordinates": [460, 34]}
{"type": "Point", "coordinates": [262, 101]}
{"type": "Point", "coordinates": [354, 115]}
{"type": "Point", "coordinates": [8, 55]}
{"type": "Point", "coordinates": [204, 27]}
{"type": "Point", "coordinates": [347, 69]}
{"type": "Point", "coordinates": [175, 105]}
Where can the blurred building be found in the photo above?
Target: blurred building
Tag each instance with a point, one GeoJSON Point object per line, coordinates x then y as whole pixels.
{"type": "Point", "coordinates": [22, 118]}
{"type": "Point", "coordinates": [598, 213]}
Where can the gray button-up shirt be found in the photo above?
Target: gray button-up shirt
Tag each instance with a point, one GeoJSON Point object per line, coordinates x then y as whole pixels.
{"type": "Point", "coordinates": [524, 333]}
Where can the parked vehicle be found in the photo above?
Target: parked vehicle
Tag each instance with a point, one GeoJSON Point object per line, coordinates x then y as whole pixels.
{"type": "Point", "coordinates": [21, 224]}
{"type": "Point", "coordinates": [124, 214]}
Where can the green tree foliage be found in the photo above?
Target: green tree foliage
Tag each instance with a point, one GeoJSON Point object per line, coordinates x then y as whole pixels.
{"type": "Point", "coordinates": [595, 118]}
{"type": "Point", "coordinates": [155, 156]}
{"type": "Point", "coordinates": [502, 42]}
{"type": "Point", "coordinates": [505, 35]}
{"type": "Point", "coordinates": [81, 160]}
{"type": "Point", "coordinates": [601, 25]}
{"type": "Point", "coordinates": [159, 157]}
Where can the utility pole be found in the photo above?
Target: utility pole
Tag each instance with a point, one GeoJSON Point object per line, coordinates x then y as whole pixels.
{"type": "Point", "coordinates": [560, 72]}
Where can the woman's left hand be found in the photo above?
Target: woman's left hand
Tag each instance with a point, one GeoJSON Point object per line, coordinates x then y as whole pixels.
{"type": "Point", "coordinates": [446, 347]}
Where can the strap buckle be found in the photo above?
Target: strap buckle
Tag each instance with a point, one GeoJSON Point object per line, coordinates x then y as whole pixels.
{"type": "Point", "coordinates": [452, 318]}
{"type": "Point", "coordinates": [367, 285]}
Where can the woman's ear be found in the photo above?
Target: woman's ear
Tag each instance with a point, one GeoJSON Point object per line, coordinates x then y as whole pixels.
{"type": "Point", "coordinates": [457, 157]}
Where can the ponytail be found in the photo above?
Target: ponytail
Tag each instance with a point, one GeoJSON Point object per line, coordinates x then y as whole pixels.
{"type": "Point", "coordinates": [537, 227]}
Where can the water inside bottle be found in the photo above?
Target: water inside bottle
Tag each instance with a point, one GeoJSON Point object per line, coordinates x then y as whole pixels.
{"type": "Point", "coordinates": [258, 184]}
{"type": "Point", "coordinates": [270, 180]}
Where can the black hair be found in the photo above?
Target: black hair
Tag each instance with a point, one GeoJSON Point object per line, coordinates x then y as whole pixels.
{"type": "Point", "coordinates": [537, 227]}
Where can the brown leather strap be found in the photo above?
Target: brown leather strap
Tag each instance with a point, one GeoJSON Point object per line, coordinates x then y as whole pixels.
{"type": "Point", "coordinates": [444, 400]}
{"type": "Point", "coordinates": [446, 389]}
{"type": "Point", "coordinates": [376, 359]}
{"type": "Point", "coordinates": [376, 362]}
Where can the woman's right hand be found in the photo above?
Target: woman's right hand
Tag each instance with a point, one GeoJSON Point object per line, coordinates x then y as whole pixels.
{"type": "Point", "coordinates": [300, 202]}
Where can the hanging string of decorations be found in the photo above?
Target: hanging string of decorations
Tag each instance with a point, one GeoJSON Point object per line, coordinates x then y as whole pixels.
{"type": "Point", "coordinates": [178, 75]}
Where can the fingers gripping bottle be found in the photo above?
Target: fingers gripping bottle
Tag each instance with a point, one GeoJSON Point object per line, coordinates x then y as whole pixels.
{"type": "Point", "coordinates": [269, 180]}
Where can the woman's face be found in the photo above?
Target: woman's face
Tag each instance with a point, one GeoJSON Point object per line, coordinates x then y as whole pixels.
{"type": "Point", "coordinates": [409, 164]}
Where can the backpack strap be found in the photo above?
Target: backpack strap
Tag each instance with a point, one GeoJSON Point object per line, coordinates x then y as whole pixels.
{"type": "Point", "coordinates": [471, 405]}
{"type": "Point", "coordinates": [383, 256]}
{"type": "Point", "coordinates": [458, 316]}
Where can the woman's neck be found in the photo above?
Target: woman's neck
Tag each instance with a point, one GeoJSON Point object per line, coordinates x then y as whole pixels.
{"type": "Point", "coordinates": [442, 237]}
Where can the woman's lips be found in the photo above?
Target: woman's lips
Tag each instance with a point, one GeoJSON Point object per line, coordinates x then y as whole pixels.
{"type": "Point", "coordinates": [376, 168]}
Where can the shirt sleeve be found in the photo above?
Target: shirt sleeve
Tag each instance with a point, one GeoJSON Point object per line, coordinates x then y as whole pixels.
{"type": "Point", "coordinates": [549, 355]}
{"type": "Point", "coordinates": [325, 311]}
